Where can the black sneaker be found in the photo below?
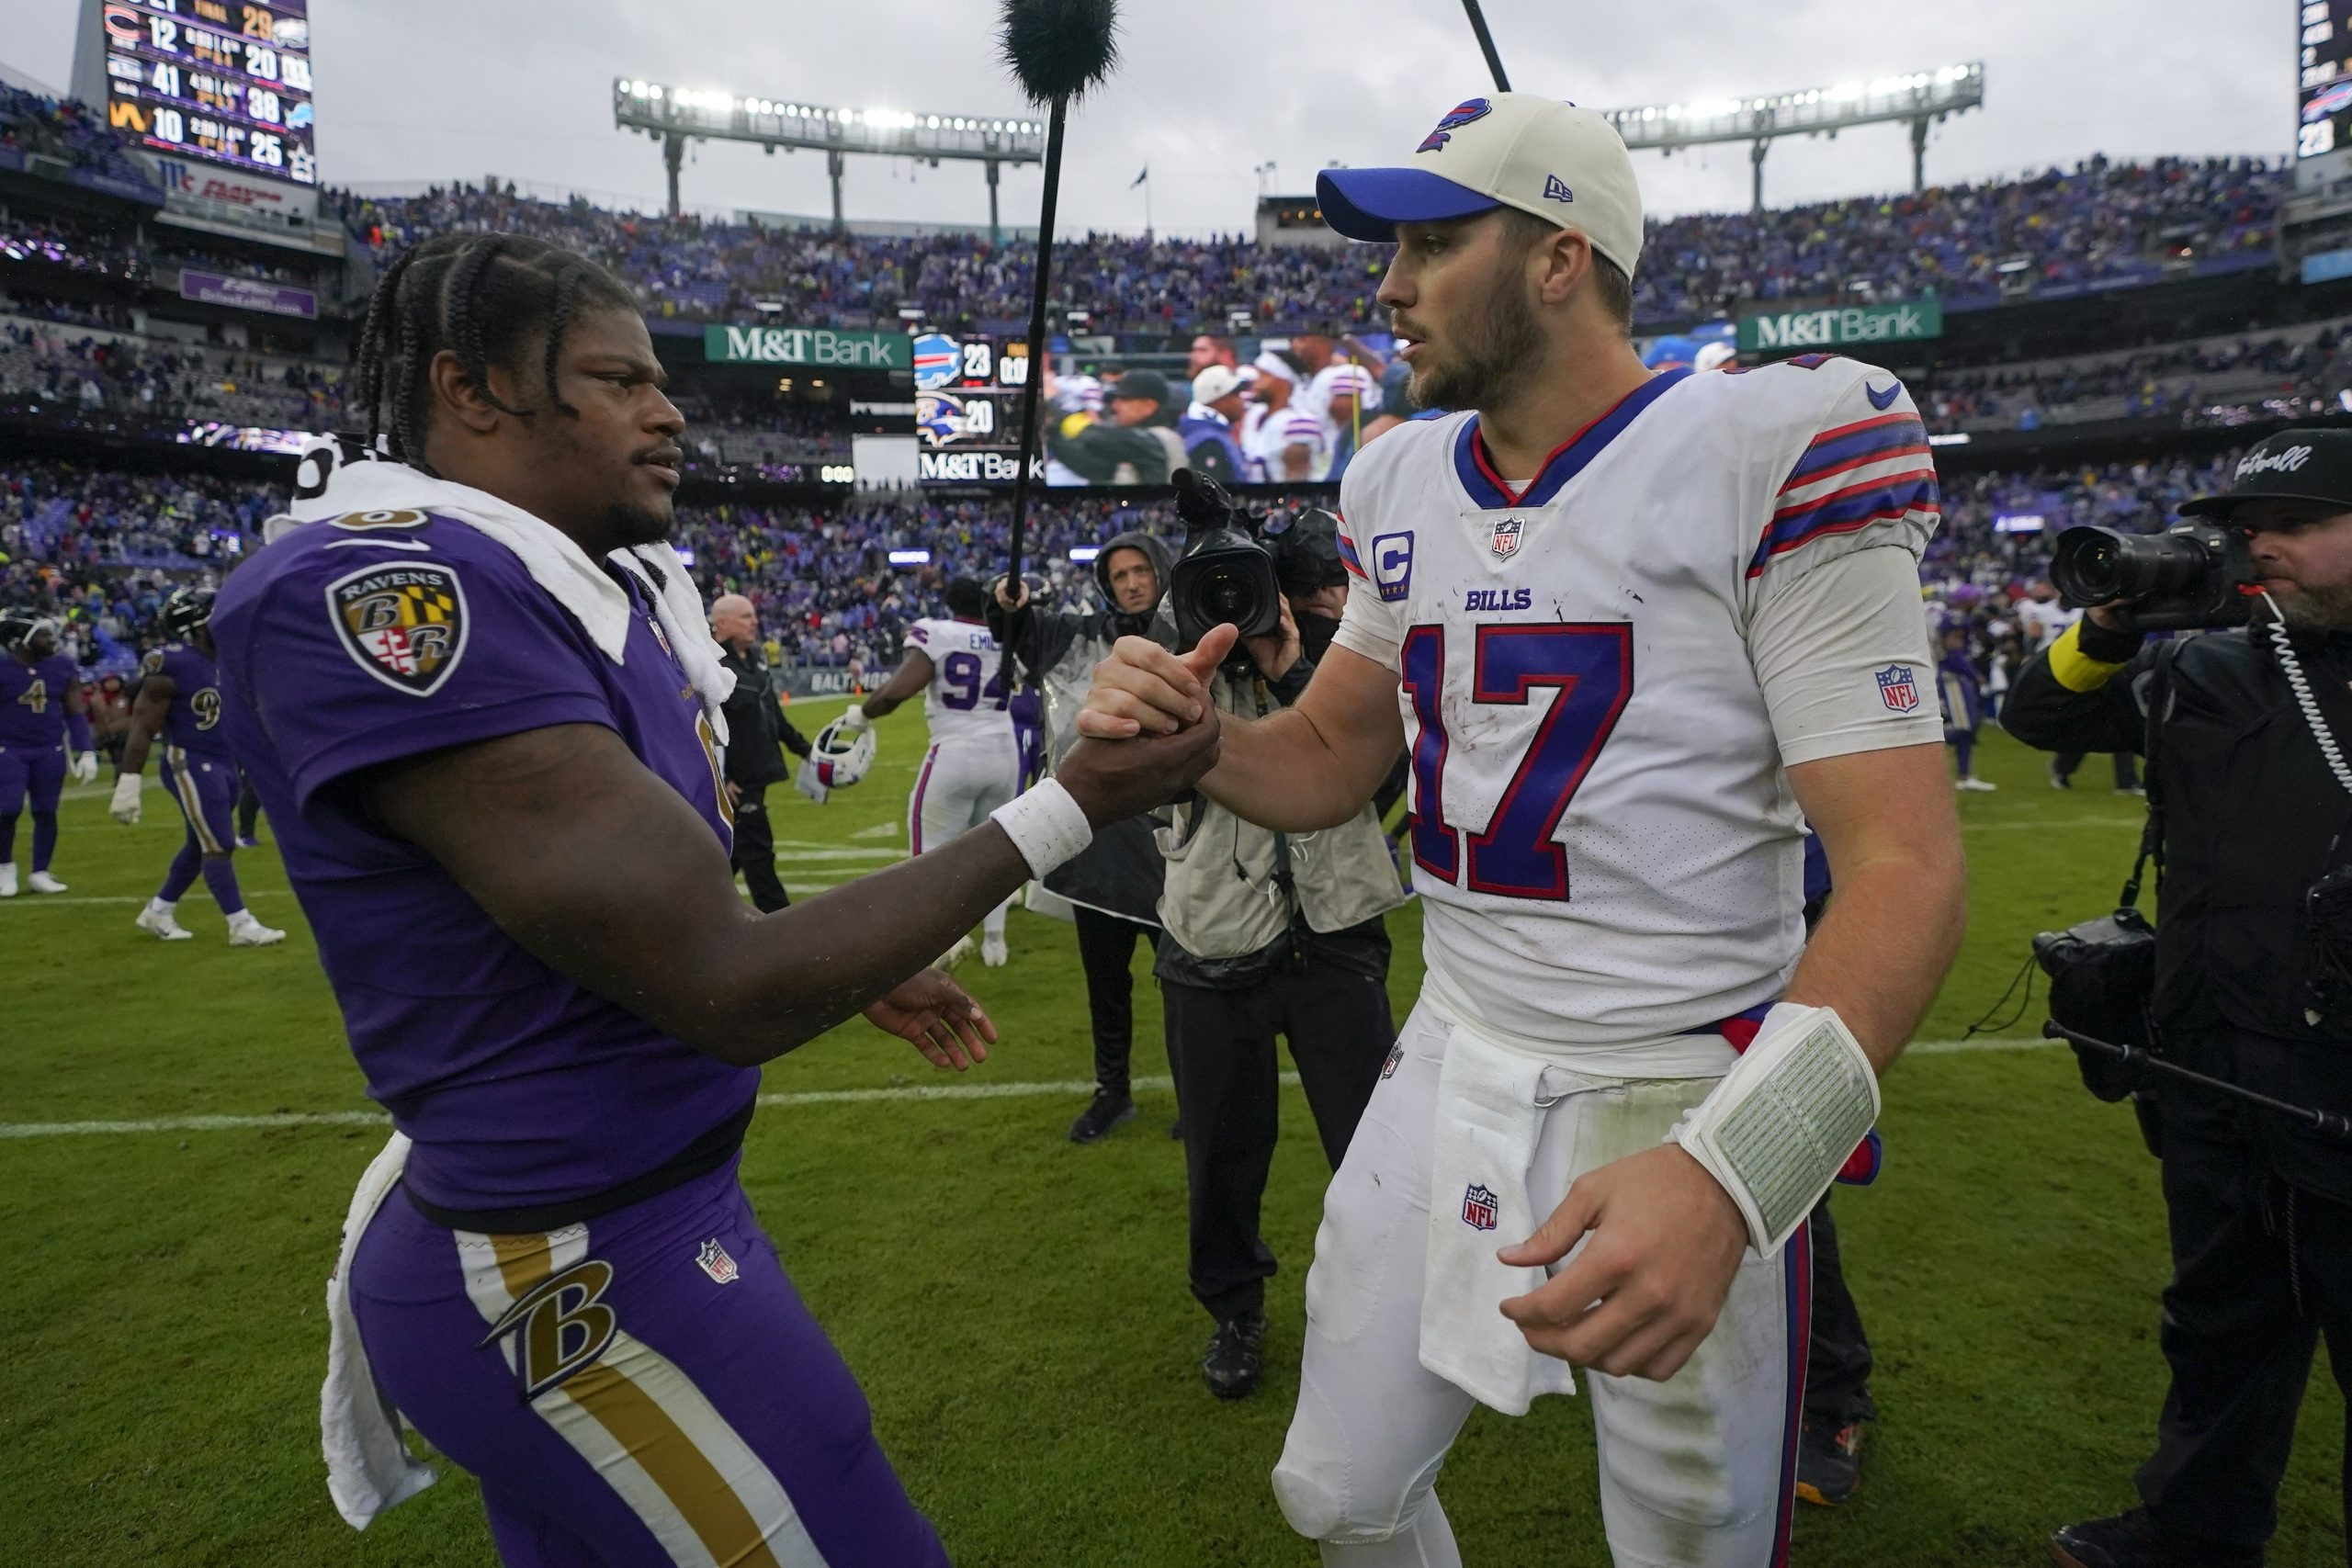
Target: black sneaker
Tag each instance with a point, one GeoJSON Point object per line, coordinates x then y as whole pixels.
{"type": "Point", "coordinates": [1231, 1365]}
{"type": "Point", "coordinates": [1109, 1108]}
{"type": "Point", "coordinates": [2134, 1539]}
{"type": "Point", "coordinates": [1829, 1462]}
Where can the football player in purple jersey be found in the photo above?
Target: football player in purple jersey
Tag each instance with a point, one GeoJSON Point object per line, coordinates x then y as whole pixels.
{"type": "Point", "coordinates": [475, 696]}
{"type": "Point", "coordinates": [179, 700]}
{"type": "Point", "coordinates": [43, 706]}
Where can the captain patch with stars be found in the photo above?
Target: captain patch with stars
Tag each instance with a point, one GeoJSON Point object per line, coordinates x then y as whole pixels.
{"type": "Point", "coordinates": [406, 625]}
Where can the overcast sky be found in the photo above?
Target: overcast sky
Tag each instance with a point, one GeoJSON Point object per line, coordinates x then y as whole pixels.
{"type": "Point", "coordinates": [430, 90]}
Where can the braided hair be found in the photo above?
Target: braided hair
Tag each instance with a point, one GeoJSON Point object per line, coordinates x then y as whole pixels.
{"type": "Point", "coordinates": [480, 295]}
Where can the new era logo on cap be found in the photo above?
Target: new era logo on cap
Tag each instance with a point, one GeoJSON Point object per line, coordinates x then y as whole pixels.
{"type": "Point", "coordinates": [1556, 190]}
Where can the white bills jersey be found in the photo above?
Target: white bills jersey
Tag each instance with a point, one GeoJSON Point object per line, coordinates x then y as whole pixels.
{"type": "Point", "coordinates": [1275, 432]}
{"type": "Point", "coordinates": [965, 699]}
{"type": "Point", "coordinates": [1604, 672]}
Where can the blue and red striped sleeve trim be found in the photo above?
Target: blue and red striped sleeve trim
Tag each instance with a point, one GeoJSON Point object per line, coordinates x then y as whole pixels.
{"type": "Point", "coordinates": [1348, 557]}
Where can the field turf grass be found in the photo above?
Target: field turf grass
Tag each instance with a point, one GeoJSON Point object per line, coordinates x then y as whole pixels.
{"type": "Point", "coordinates": [1014, 1305]}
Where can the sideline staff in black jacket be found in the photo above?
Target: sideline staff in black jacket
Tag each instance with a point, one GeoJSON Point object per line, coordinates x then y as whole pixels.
{"type": "Point", "coordinates": [2260, 1213]}
{"type": "Point", "coordinates": [755, 727]}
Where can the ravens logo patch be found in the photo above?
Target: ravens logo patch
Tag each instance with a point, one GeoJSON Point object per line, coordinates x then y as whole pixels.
{"type": "Point", "coordinates": [405, 625]}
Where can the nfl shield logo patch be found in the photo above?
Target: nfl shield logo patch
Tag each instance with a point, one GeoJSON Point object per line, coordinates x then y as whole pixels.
{"type": "Point", "coordinates": [1478, 1208]}
{"type": "Point", "coordinates": [1395, 1054]}
{"type": "Point", "coordinates": [405, 625]}
{"type": "Point", "coordinates": [1897, 689]}
{"type": "Point", "coordinates": [1505, 542]}
{"type": "Point", "coordinates": [715, 1263]}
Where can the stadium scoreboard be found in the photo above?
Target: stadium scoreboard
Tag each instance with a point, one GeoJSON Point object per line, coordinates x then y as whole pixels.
{"type": "Point", "coordinates": [224, 82]}
{"type": "Point", "coordinates": [2324, 82]}
{"type": "Point", "coordinates": [967, 408]}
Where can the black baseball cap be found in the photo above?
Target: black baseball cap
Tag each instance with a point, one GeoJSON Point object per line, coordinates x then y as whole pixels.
{"type": "Point", "coordinates": [1148, 385]}
{"type": "Point", "coordinates": [2312, 464]}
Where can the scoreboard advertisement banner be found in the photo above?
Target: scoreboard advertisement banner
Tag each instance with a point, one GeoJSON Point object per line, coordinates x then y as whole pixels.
{"type": "Point", "coordinates": [967, 409]}
{"type": "Point", "coordinates": [2323, 79]}
{"type": "Point", "coordinates": [226, 82]}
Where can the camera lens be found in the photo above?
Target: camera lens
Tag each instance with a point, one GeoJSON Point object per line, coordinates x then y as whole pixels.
{"type": "Point", "coordinates": [1228, 596]}
{"type": "Point", "coordinates": [2097, 570]}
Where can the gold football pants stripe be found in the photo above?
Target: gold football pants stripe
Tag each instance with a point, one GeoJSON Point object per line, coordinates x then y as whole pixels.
{"type": "Point", "coordinates": [191, 802]}
{"type": "Point", "coordinates": [643, 1411]}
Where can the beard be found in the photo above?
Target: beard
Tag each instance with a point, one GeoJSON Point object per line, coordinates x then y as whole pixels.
{"type": "Point", "coordinates": [2327, 609]}
{"type": "Point", "coordinates": [1492, 354]}
{"type": "Point", "coordinates": [634, 525]}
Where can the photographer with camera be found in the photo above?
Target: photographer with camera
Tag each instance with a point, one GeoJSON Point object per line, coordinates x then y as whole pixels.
{"type": "Point", "coordinates": [1111, 886]}
{"type": "Point", "coordinates": [2249, 799]}
{"type": "Point", "coordinates": [1265, 933]}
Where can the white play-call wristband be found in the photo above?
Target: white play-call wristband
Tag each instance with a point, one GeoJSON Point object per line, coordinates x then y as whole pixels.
{"type": "Point", "coordinates": [1046, 825]}
{"type": "Point", "coordinates": [1781, 1123]}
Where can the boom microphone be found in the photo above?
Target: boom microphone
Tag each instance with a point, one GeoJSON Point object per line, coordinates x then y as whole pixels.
{"type": "Point", "coordinates": [1058, 49]}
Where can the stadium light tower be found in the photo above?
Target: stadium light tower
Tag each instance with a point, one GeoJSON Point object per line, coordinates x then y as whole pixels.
{"type": "Point", "coordinates": [676, 115]}
{"type": "Point", "coordinates": [1917, 99]}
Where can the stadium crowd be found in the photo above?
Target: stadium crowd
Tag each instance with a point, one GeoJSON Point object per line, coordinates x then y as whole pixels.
{"type": "Point", "coordinates": [2100, 222]}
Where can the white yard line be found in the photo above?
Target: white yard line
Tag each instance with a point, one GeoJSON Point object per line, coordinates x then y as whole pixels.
{"type": "Point", "coordinates": [786, 1101]}
{"type": "Point", "coordinates": [45, 900]}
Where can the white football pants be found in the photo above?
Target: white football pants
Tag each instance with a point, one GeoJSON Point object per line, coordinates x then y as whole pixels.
{"type": "Point", "coordinates": [960, 781]}
{"type": "Point", "coordinates": [1698, 1472]}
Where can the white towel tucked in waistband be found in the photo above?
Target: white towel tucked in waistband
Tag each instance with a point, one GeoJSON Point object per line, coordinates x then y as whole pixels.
{"type": "Point", "coordinates": [368, 1467]}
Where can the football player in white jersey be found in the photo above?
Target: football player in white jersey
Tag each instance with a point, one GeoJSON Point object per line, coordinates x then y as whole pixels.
{"type": "Point", "coordinates": [1633, 632]}
{"type": "Point", "coordinates": [974, 763]}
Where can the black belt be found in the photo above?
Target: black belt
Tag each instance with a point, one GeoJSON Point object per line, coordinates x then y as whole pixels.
{"type": "Point", "coordinates": [705, 1154]}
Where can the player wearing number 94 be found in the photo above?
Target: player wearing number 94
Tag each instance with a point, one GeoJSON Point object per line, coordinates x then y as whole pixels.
{"type": "Point", "coordinates": [1634, 631]}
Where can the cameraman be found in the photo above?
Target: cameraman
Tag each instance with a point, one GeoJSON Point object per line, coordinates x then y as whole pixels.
{"type": "Point", "coordinates": [1269, 934]}
{"type": "Point", "coordinates": [1113, 885]}
{"type": "Point", "coordinates": [2260, 1211]}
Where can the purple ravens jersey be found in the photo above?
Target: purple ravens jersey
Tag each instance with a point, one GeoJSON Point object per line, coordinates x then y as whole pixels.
{"type": "Point", "coordinates": [194, 722]}
{"type": "Point", "coordinates": [342, 650]}
{"type": "Point", "coordinates": [32, 700]}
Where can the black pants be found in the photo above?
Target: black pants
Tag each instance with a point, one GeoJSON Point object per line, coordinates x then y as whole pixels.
{"type": "Point", "coordinates": [248, 805]}
{"type": "Point", "coordinates": [1838, 1361]}
{"type": "Point", "coordinates": [1222, 1043]}
{"type": "Point", "coordinates": [2127, 767]}
{"type": "Point", "coordinates": [1106, 947]}
{"type": "Point", "coordinates": [755, 850]}
{"type": "Point", "coordinates": [2260, 1271]}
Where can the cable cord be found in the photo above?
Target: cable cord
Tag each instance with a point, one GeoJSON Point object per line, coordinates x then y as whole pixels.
{"type": "Point", "coordinates": [2301, 686]}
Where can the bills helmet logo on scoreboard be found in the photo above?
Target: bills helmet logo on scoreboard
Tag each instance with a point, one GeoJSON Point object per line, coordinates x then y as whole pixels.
{"type": "Point", "coordinates": [1897, 688]}
{"type": "Point", "coordinates": [1478, 1208]}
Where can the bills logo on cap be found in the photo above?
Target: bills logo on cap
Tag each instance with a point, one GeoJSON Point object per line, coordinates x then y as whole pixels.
{"type": "Point", "coordinates": [1478, 1208]}
{"type": "Point", "coordinates": [1896, 688]}
{"type": "Point", "coordinates": [1505, 542]}
{"type": "Point", "coordinates": [1455, 118]}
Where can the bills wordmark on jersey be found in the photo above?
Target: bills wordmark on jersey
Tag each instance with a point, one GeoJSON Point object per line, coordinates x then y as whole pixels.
{"type": "Point", "coordinates": [405, 625]}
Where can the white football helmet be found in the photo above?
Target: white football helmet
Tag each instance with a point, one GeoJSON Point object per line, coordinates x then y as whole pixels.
{"type": "Point", "coordinates": [841, 754]}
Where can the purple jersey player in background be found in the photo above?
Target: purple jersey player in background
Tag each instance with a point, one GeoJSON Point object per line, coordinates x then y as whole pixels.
{"type": "Point", "coordinates": [476, 696]}
{"type": "Point", "coordinates": [42, 705]}
{"type": "Point", "coordinates": [179, 699]}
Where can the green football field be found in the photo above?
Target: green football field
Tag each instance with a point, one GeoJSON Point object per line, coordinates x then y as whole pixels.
{"type": "Point", "coordinates": [1015, 1306]}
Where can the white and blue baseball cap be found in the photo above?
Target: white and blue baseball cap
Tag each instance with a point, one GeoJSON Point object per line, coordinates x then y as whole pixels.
{"type": "Point", "coordinates": [1561, 162]}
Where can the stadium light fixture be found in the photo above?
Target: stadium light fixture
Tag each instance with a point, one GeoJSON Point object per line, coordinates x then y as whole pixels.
{"type": "Point", "coordinates": [675, 116]}
{"type": "Point", "coordinates": [1917, 99]}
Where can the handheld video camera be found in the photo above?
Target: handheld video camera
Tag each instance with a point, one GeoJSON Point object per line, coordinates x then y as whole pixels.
{"type": "Point", "coordinates": [2192, 574]}
{"type": "Point", "coordinates": [1223, 573]}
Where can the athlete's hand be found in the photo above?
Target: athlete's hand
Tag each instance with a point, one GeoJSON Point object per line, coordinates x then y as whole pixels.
{"type": "Point", "coordinates": [1143, 689]}
{"type": "Point", "coordinates": [1113, 783]}
{"type": "Point", "coordinates": [942, 1020]}
{"type": "Point", "coordinates": [1665, 1242]}
{"type": "Point", "coordinates": [83, 767]}
{"type": "Point", "coordinates": [124, 808]}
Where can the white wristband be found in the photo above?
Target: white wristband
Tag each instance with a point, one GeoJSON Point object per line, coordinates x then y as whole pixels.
{"type": "Point", "coordinates": [1781, 1123]}
{"type": "Point", "coordinates": [1046, 825]}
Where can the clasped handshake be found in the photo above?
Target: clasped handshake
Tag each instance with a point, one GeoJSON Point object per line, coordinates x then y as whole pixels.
{"type": "Point", "coordinates": [1149, 730]}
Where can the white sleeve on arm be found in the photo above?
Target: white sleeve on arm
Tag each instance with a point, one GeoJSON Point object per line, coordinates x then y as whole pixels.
{"type": "Point", "coordinates": [1842, 654]}
{"type": "Point", "coordinates": [1372, 627]}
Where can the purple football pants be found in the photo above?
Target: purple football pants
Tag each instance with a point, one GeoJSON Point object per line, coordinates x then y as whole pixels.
{"type": "Point", "coordinates": [40, 771]}
{"type": "Point", "coordinates": [205, 788]}
{"type": "Point", "coordinates": [645, 1389]}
